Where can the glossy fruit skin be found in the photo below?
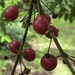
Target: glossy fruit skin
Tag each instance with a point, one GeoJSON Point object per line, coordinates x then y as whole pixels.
{"type": "Point", "coordinates": [48, 18]}
{"type": "Point", "coordinates": [40, 24]}
{"type": "Point", "coordinates": [29, 54]}
{"type": "Point", "coordinates": [14, 46]}
{"type": "Point", "coordinates": [49, 63]}
{"type": "Point", "coordinates": [55, 30]}
{"type": "Point", "coordinates": [11, 13]}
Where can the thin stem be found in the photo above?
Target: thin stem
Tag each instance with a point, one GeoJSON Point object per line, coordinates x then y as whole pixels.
{"type": "Point", "coordinates": [12, 56]}
{"type": "Point", "coordinates": [58, 56]}
{"type": "Point", "coordinates": [34, 12]}
{"type": "Point", "coordinates": [20, 4]}
{"type": "Point", "coordinates": [23, 64]}
{"type": "Point", "coordinates": [24, 38]}
{"type": "Point", "coordinates": [47, 7]}
{"type": "Point", "coordinates": [49, 45]}
{"type": "Point", "coordinates": [7, 57]}
{"type": "Point", "coordinates": [70, 58]}
{"type": "Point", "coordinates": [38, 6]}
{"type": "Point", "coordinates": [63, 54]}
{"type": "Point", "coordinates": [24, 17]}
{"type": "Point", "coordinates": [27, 17]}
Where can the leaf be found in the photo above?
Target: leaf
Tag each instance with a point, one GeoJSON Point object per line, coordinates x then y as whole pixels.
{"type": "Point", "coordinates": [2, 3]}
{"type": "Point", "coordinates": [61, 12]}
{"type": "Point", "coordinates": [71, 19]}
{"type": "Point", "coordinates": [66, 16]}
{"type": "Point", "coordinates": [2, 39]}
{"type": "Point", "coordinates": [73, 12]}
{"type": "Point", "coordinates": [7, 38]}
{"type": "Point", "coordinates": [3, 27]}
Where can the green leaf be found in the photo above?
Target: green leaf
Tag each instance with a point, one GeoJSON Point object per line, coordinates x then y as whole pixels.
{"type": "Point", "coordinates": [66, 16]}
{"type": "Point", "coordinates": [71, 19]}
{"type": "Point", "coordinates": [2, 3]}
{"type": "Point", "coordinates": [3, 27]}
{"type": "Point", "coordinates": [62, 10]}
{"type": "Point", "coordinates": [2, 39]}
{"type": "Point", "coordinates": [7, 38]}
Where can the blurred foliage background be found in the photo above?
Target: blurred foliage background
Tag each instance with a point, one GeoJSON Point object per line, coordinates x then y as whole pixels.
{"type": "Point", "coordinates": [14, 30]}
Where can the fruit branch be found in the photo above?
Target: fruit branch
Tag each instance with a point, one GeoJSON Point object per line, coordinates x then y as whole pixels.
{"type": "Point", "coordinates": [49, 46]}
{"type": "Point", "coordinates": [24, 38]}
{"type": "Point", "coordinates": [47, 7]}
{"type": "Point", "coordinates": [63, 54]}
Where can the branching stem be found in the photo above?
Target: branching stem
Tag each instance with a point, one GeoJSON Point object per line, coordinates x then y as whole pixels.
{"type": "Point", "coordinates": [63, 54]}
{"type": "Point", "coordinates": [24, 38]}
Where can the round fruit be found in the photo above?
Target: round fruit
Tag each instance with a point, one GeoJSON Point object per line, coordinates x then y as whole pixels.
{"type": "Point", "coordinates": [48, 18]}
{"type": "Point", "coordinates": [29, 54]}
{"type": "Point", "coordinates": [49, 62]}
{"type": "Point", "coordinates": [40, 24]}
{"type": "Point", "coordinates": [55, 30]}
{"type": "Point", "coordinates": [14, 46]}
{"type": "Point", "coordinates": [11, 13]}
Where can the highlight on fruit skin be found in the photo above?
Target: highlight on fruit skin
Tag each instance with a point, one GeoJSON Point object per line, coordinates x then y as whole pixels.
{"type": "Point", "coordinates": [11, 13]}
{"type": "Point", "coordinates": [48, 62]}
{"type": "Point", "coordinates": [41, 24]}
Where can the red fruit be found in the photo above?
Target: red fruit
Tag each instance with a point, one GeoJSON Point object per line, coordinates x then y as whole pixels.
{"type": "Point", "coordinates": [48, 18]}
{"type": "Point", "coordinates": [29, 54]}
{"type": "Point", "coordinates": [11, 13]}
{"type": "Point", "coordinates": [14, 46]}
{"type": "Point", "coordinates": [49, 62]}
{"type": "Point", "coordinates": [55, 30]}
{"type": "Point", "coordinates": [41, 24]}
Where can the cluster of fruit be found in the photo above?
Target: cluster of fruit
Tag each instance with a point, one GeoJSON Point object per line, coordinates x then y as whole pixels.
{"type": "Point", "coordinates": [48, 61]}
{"type": "Point", "coordinates": [41, 25]}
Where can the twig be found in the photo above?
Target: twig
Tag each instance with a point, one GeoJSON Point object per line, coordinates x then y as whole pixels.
{"type": "Point", "coordinates": [49, 45]}
{"type": "Point", "coordinates": [63, 54]}
{"type": "Point", "coordinates": [47, 7]}
{"type": "Point", "coordinates": [24, 38]}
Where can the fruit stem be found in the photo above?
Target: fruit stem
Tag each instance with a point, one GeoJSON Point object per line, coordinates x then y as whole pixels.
{"type": "Point", "coordinates": [39, 8]}
{"type": "Point", "coordinates": [23, 64]}
{"type": "Point", "coordinates": [20, 61]}
{"type": "Point", "coordinates": [70, 58]}
{"type": "Point", "coordinates": [63, 54]}
{"type": "Point", "coordinates": [49, 45]}
{"type": "Point", "coordinates": [20, 5]}
{"type": "Point", "coordinates": [7, 57]}
{"type": "Point", "coordinates": [24, 38]}
{"type": "Point", "coordinates": [25, 17]}
{"type": "Point", "coordinates": [58, 56]}
{"type": "Point", "coordinates": [47, 7]}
